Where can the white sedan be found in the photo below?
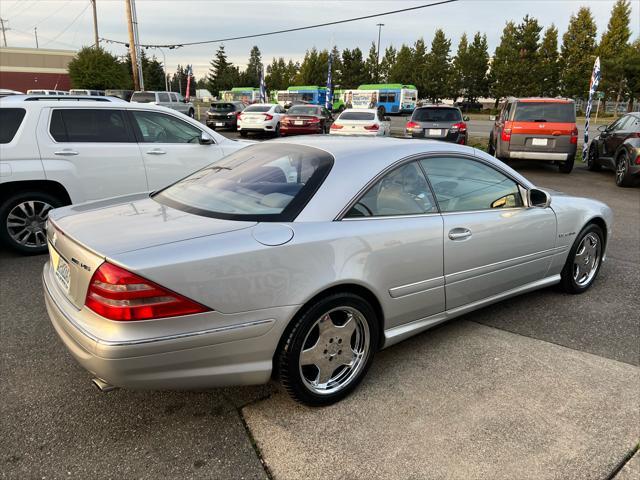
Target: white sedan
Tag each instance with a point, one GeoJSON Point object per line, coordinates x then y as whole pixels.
{"type": "Point", "coordinates": [370, 122]}
{"type": "Point", "coordinates": [260, 117]}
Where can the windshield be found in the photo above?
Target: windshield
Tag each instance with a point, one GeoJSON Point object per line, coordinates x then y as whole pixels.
{"type": "Point", "coordinates": [437, 114]}
{"type": "Point", "coordinates": [302, 110]}
{"type": "Point", "coordinates": [357, 116]}
{"type": "Point", "coordinates": [222, 107]}
{"type": "Point", "coordinates": [258, 108]}
{"type": "Point", "coordinates": [261, 182]}
{"type": "Point", "coordinates": [564, 112]}
{"type": "Point", "coordinates": [143, 97]}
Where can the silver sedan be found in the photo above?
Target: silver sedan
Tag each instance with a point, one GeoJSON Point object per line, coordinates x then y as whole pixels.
{"type": "Point", "coordinates": [300, 258]}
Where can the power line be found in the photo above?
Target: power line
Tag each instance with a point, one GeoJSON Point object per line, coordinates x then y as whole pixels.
{"type": "Point", "coordinates": [70, 24]}
{"type": "Point", "coordinates": [243, 37]}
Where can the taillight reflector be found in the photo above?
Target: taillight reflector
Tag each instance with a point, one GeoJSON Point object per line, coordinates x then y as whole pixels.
{"type": "Point", "coordinates": [375, 126]}
{"type": "Point", "coordinates": [506, 135]}
{"type": "Point", "coordinates": [335, 126]}
{"type": "Point", "coordinates": [118, 294]}
{"type": "Point", "coordinates": [268, 117]}
{"type": "Point", "coordinates": [574, 136]}
{"type": "Point", "coordinates": [460, 126]}
{"type": "Point", "coordinates": [411, 125]}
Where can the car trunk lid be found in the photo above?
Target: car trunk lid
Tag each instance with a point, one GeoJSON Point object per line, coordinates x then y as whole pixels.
{"type": "Point", "coordinates": [302, 120]}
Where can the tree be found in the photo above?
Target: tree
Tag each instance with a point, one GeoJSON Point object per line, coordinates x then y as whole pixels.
{"type": "Point", "coordinates": [251, 76]}
{"type": "Point", "coordinates": [613, 51]}
{"type": "Point", "coordinates": [222, 74]}
{"type": "Point", "coordinates": [96, 69]}
{"type": "Point", "coordinates": [437, 71]}
{"type": "Point", "coordinates": [353, 68]}
{"type": "Point", "coordinates": [526, 72]}
{"type": "Point", "coordinates": [578, 54]}
{"type": "Point", "coordinates": [371, 65]}
{"type": "Point", "coordinates": [476, 82]}
{"type": "Point", "coordinates": [402, 70]}
{"type": "Point", "coordinates": [418, 66]}
{"type": "Point", "coordinates": [459, 69]}
{"type": "Point", "coordinates": [632, 72]}
{"type": "Point", "coordinates": [153, 73]}
{"type": "Point", "coordinates": [549, 68]}
{"type": "Point", "coordinates": [387, 62]}
{"type": "Point", "coordinates": [336, 66]}
{"type": "Point", "coordinates": [313, 69]}
{"type": "Point", "coordinates": [504, 67]}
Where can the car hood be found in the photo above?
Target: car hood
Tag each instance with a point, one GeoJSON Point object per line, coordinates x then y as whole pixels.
{"type": "Point", "coordinates": [136, 223]}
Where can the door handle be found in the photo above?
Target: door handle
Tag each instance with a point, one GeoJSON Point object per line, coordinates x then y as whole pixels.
{"type": "Point", "coordinates": [156, 151]}
{"type": "Point", "coordinates": [459, 233]}
{"type": "Point", "coordinates": [67, 152]}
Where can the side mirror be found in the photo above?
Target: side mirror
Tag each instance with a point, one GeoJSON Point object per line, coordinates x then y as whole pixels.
{"type": "Point", "coordinates": [465, 118]}
{"type": "Point", "coordinates": [492, 118]}
{"type": "Point", "coordinates": [205, 139]}
{"type": "Point", "coordinates": [601, 128]}
{"type": "Point", "coordinates": [539, 198]}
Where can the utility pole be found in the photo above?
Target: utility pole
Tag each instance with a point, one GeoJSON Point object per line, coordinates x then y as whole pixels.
{"type": "Point", "coordinates": [132, 47]}
{"type": "Point", "coordinates": [379, 25]}
{"type": "Point", "coordinates": [95, 24]}
{"type": "Point", "coordinates": [136, 35]}
{"type": "Point", "coordinates": [4, 29]}
{"type": "Point", "coordinates": [35, 31]}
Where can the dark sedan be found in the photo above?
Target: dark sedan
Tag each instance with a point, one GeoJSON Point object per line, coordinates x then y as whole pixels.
{"type": "Point", "coordinates": [224, 115]}
{"type": "Point", "coordinates": [438, 122]}
{"type": "Point", "coordinates": [306, 119]}
{"type": "Point", "coordinates": [618, 148]}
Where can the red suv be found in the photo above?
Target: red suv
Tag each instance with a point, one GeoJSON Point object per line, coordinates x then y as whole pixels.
{"type": "Point", "coordinates": [536, 129]}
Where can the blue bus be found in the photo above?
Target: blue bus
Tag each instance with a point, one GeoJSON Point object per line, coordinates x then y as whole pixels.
{"type": "Point", "coordinates": [390, 97]}
{"type": "Point", "coordinates": [310, 94]}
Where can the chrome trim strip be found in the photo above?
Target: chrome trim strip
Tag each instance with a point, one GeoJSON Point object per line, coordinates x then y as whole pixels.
{"type": "Point", "coordinates": [538, 155]}
{"type": "Point", "coordinates": [142, 341]}
{"type": "Point", "coordinates": [416, 287]}
{"type": "Point", "coordinates": [389, 217]}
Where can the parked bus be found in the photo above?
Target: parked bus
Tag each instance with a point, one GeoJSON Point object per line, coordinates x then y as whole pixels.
{"type": "Point", "coordinates": [311, 94]}
{"type": "Point", "coordinates": [242, 94]}
{"type": "Point", "coordinates": [391, 97]}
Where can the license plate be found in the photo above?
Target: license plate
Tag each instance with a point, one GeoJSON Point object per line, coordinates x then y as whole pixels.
{"type": "Point", "coordinates": [61, 269]}
{"type": "Point", "coordinates": [298, 122]}
{"type": "Point", "coordinates": [219, 124]}
{"type": "Point", "coordinates": [539, 142]}
{"type": "Point", "coordinates": [435, 132]}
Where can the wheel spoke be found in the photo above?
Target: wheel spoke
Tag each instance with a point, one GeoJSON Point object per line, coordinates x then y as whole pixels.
{"type": "Point", "coordinates": [326, 327]}
{"type": "Point", "coordinates": [15, 221]}
{"type": "Point", "coordinates": [347, 329]}
{"type": "Point", "coordinates": [44, 211]}
{"type": "Point", "coordinates": [311, 356]}
{"type": "Point", "coordinates": [347, 356]}
{"type": "Point", "coordinates": [325, 372]}
{"type": "Point", "coordinates": [40, 238]}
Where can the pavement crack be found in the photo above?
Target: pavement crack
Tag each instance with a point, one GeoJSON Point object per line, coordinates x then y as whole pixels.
{"type": "Point", "coordinates": [623, 462]}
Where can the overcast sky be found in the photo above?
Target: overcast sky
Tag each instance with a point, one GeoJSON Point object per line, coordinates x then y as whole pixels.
{"type": "Point", "coordinates": [67, 24]}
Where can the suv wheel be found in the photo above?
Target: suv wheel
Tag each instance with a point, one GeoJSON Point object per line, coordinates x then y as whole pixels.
{"type": "Point", "coordinates": [23, 219]}
{"type": "Point", "coordinates": [592, 158]}
{"type": "Point", "coordinates": [567, 166]}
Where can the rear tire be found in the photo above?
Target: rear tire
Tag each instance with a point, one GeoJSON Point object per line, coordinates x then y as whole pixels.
{"type": "Point", "coordinates": [192, 114]}
{"type": "Point", "coordinates": [623, 179]}
{"type": "Point", "coordinates": [335, 361]}
{"type": "Point", "coordinates": [23, 218]}
{"type": "Point", "coordinates": [584, 260]}
{"type": "Point", "coordinates": [567, 166]}
{"type": "Point", "coordinates": [592, 158]}
{"type": "Point", "coordinates": [276, 132]}
{"type": "Point", "coordinates": [243, 134]}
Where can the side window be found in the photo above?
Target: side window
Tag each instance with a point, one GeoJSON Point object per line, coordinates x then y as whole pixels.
{"type": "Point", "coordinates": [461, 184]}
{"type": "Point", "coordinates": [403, 191]}
{"type": "Point", "coordinates": [174, 97]}
{"type": "Point", "coordinates": [163, 97]}
{"type": "Point", "coordinates": [87, 125]}
{"type": "Point", "coordinates": [10, 121]}
{"type": "Point", "coordinates": [162, 128]}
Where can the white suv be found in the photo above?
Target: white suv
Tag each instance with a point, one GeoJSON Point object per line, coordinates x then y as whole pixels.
{"type": "Point", "coordinates": [60, 150]}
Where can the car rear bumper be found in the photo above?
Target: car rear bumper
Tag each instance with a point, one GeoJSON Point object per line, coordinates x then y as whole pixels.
{"type": "Point", "coordinates": [359, 133]}
{"type": "Point", "coordinates": [256, 128]}
{"type": "Point", "coordinates": [460, 138]}
{"type": "Point", "coordinates": [238, 354]}
{"type": "Point", "coordinates": [548, 156]}
{"type": "Point", "coordinates": [219, 123]}
{"type": "Point", "coordinates": [293, 130]}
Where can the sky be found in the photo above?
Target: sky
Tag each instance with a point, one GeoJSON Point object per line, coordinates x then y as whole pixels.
{"type": "Point", "coordinates": [68, 24]}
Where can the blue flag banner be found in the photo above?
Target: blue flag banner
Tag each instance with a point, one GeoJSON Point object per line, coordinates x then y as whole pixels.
{"type": "Point", "coordinates": [263, 88]}
{"type": "Point", "coordinates": [593, 87]}
{"type": "Point", "coordinates": [328, 103]}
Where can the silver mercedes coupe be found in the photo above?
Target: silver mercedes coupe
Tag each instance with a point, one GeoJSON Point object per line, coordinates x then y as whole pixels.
{"type": "Point", "coordinates": [300, 258]}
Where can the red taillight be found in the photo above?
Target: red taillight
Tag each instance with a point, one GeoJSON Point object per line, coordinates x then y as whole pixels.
{"type": "Point", "coordinates": [268, 117]}
{"type": "Point", "coordinates": [411, 125]}
{"type": "Point", "coordinates": [240, 117]}
{"type": "Point", "coordinates": [460, 126]}
{"type": "Point", "coordinates": [637, 162]}
{"type": "Point", "coordinates": [117, 294]}
{"type": "Point", "coordinates": [375, 126]}
{"type": "Point", "coordinates": [634, 135]}
{"type": "Point", "coordinates": [335, 126]}
{"type": "Point", "coordinates": [574, 136]}
{"type": "Point", "coordinates": [506, 135]}
{"type": "Point", "coordinates": [314, 120]}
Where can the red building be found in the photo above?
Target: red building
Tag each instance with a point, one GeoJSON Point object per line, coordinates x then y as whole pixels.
{"type": "Point", "coordinates": [25, 69]}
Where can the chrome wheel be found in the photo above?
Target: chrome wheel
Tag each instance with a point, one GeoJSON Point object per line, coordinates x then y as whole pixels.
{"type": "Point", "coordinates": [586, 260]}
{"type": "Point", "coordinates": [26, 223]}
{"type": "Point", "coordinates": [334, 350]}
{"type": "Point", "coordinates": [621, 169]}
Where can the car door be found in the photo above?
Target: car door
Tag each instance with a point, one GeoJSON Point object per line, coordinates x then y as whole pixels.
{"type": "Point", "coordinates": [608, 138]}
{"type": "Point", "coordinates": [493, 243]}
{"type": "Point", "coordinates": [91, 151]}
{"type": "Point", "coordinates": [164, 100]}
{"type": "Point", "coordinates": [618, 135]}
{"type": "Point", "coordinates": [170, 146]}
{"type": "Point", "coordinates": [177, 103]}
{"type": "Point", "coordinates": [500, 125]}
{"type": "Point", "coordinates": [399, 230]}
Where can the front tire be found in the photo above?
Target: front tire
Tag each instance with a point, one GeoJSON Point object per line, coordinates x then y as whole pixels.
{"type": "Point", "coordinates": [584, 260]}
{"type": "Point", "coordinates": [592, 158]}
{"type": "Point", "coordinates": [623, 179]}
{"type": "Point", "coordinates": [329, 349]}
{"type": "Point", "coordinates": [23, 218]}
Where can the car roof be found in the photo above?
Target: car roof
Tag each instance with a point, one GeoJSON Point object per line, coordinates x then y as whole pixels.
{"type": "Point", "coordinates": [544, 99]}
{"type": "Point", "coordinates": [79, 100]}
{"type": "Point", "coordinates": [438, 105]}
{"type": "Point", "coordinates": [368, 110]}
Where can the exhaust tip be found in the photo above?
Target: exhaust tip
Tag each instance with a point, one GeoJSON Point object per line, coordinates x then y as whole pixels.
{"type": "Point", "coordinates": [102, 385]}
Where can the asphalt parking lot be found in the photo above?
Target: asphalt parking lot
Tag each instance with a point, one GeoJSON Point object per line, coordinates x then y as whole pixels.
{"type": "Point", "coordinates": [546, 385]}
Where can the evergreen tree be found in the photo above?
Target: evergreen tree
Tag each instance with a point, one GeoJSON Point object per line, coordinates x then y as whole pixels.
{"type": "Point", "coordinates": [459, 69]}
{"type": "Point", "coordinates": [386, 63]}
{"type": "Point", "coordinates": [525, 82]}
{"type": "Point", "coordinates": [402, 70]}
{"type": "Point", "coordinates": [418, 67]}
{"type": "Point", "coordinates": [504, 67]}
{"type": "Point", "coordinates": [153, 73]}
{"type": "Point", "coordinates": [371, 65]}
{"type": "Point", "coordinates": [95, 68]}
{"type": "Point", "coordinates": [437, 71]}
{"type": "Point", "coordinates": [613, 51]}
{"type": "Point", "coordinates": [549, 67]}
{"type": "Point", "coordinates": [310, 68]}
{"type": "Point", "coordinates": [476, 82]}
{"type": "Point", "coordinates": [353, 68]}
{"type": "Point", "coordinates": [251, 76]}
{"type": "Point", "coordinates": [632, 72]}
{"type": "Point", "coordinates": [336, 66]}
{"type": "Point", "coordinates": [578, 54]}
{"type": "Point", "coordinates": [222, 74]}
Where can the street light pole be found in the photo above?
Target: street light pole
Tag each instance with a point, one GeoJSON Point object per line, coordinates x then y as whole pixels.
{"type": "Point", "coordinates": [164, 65]}
{"type": "Point", "coordinates": [379, 25]}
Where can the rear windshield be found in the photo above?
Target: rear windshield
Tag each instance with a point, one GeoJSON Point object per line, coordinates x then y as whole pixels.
{"type": "Point", "coordinates": [222, 107]}
{"type": "Point", "coordinates": [258, 108]}
{"type": "Point", "coordinates": [357, 116]}
{"type": "Point", "coordinates": [545, 112]}
{"type": "Point", "coordinates": [302, 110]}
{"type": "Point", "coordinates": [262, 183]}
{"type": "Point", "coordinates": [143, 97]}
{"type": "Point", "coordinates": [10, 120]}
{"type": "Point", "coordinates": [437, 114]}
